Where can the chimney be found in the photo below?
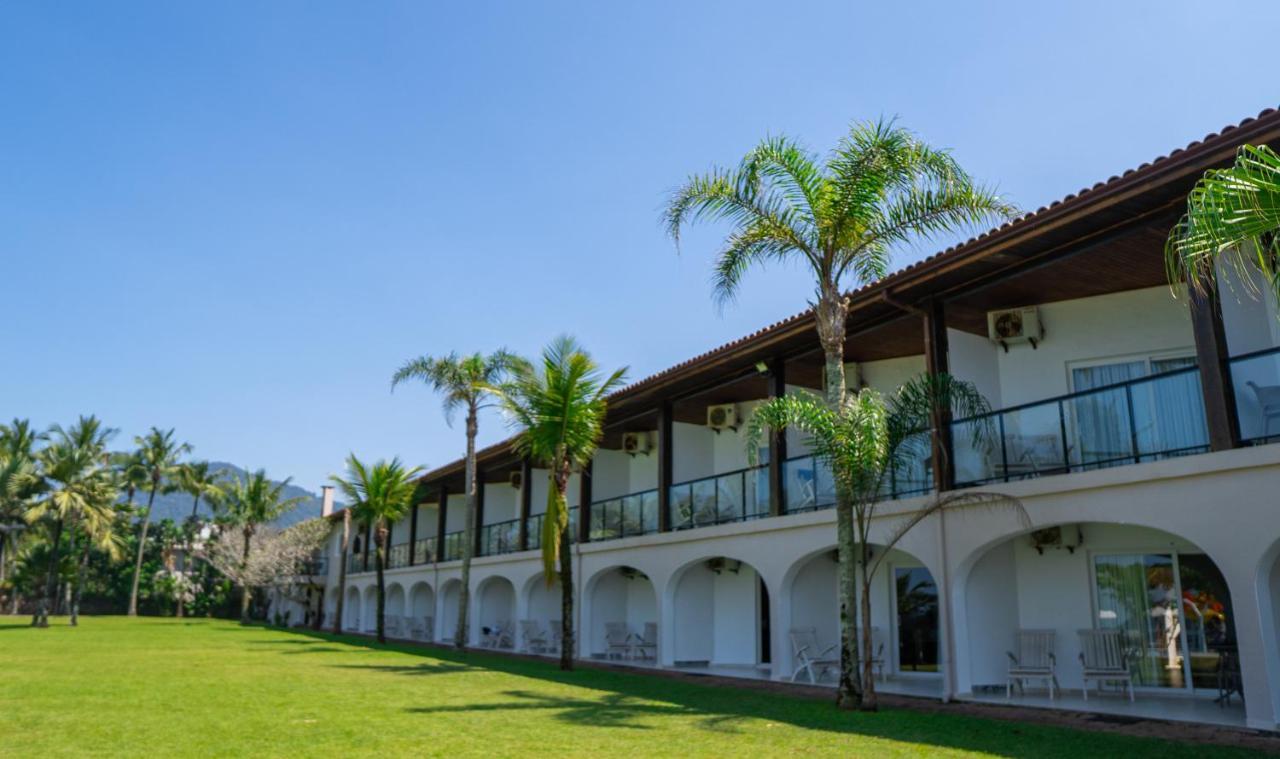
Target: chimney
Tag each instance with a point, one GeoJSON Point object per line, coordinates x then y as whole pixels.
{"type": "Point", "coordinates": [326, 500]}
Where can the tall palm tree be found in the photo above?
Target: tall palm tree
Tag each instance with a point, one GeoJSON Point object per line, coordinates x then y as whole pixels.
{"type": "Point", "coordinates": [558, 410]}
{"type": "Point", "coordinates": [198, 480]}
{"type": "Point", "coordinates": [378, 495]}
{"type": "Point", "coordinates": [1233, 219]}
{"type": "Point", "coordinates": [20, 481]}
{"type": "Point", "coordinates": [74, 469]}
{"type": "Point", "coordinates": [249, 503]}
{"type": "Point", "coordinates": [466, 382]}
{"type": "Point", "coordinates": [865, 441]}
{"type": "Point", "coordinates": [157, 455]}
{"type": "Point", "coordinates": [841, 218]}
{"type": "Point", "coordinates": [100, 524]}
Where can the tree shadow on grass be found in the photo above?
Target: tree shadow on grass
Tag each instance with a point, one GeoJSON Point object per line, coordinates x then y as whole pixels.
{"type": "Point", "coordinates": [417, 670]}
{"type": "Point", "coordinates": [630, 698]}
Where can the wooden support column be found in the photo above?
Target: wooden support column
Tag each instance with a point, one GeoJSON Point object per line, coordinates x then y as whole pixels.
{"type": "Point", "coordinates": [584, 504]}
{"type": "Point", "coordinates": [666, 441]}
{"type": "Point", "coordinates": [935, 359]}
{"type": "Point", "coordinates": [441, 521]}
{"type": "Point", "coordinates": [475, 549]}
{"type": "Point", "coordinates": [413, 533]}
{"type": "Point", "coordinates": [1212, 357]}
{"type": "Point", "coordinates": [526, 504]}
{"type": "Point", "coordinates": [777, 442]}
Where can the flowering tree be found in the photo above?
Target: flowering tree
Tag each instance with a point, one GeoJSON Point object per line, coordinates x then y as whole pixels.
{"type": "Point", "coordinates": [274, 556]}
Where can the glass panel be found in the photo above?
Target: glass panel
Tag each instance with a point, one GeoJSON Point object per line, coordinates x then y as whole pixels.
{"type": "Point", "coordinates": [825, 483]}
{"type": "Point", "coordinates": [1136, 593]}
{"type": "Point", "coordinates": [681, 499]}
{"type": "Point", "coordinates": [704, 502]}
{"type": "Point", "coordinates": [1169, 415]}
{"type": "Point", "coordinates": [758, 492]}
{"type": "Point", "coordinates": [917, 598]}
{"type": "Point", "coordinates": [649, 511]}
{"type": "Point", "coordinates": [1100, 429]}
{"type": "Point", "coordinates": [1032, 442]}
{"type": "Point", "coordinates": [1257, 385]}
{"type": "Point", "coordinates": [800, 492]}
{"type": "Point", "coordinates": [729, 498]}
{"type": "Point", "coordinates": [1206, 607]}
{"type": "Point", "coordinates": [976, 449]}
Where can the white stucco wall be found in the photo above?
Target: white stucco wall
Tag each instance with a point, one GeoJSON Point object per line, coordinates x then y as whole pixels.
{"type": "Point", "coordinates": [501, 502]}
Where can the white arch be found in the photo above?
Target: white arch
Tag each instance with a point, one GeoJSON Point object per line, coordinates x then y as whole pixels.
{"type": "Point", "coordinates": [395, 600]}
{"type": "Point", "coordinates": [369, 619]}
{"type": "Point", "coordinates": [542, 606]}
{"type": "Point", "coordinates": [495, 607]}
{"type": "Point", "coordinates": [621, 594]}
{"type": "Point", "coordinates": [351, 610]}
{"type": "Point", "coordinates": [447, 617]}
{"type": "Point", "coordinates": [711, 613]}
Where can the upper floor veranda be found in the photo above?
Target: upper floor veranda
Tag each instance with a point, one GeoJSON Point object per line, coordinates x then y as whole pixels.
{"type": "Point", "coordinates": [1064, 320]}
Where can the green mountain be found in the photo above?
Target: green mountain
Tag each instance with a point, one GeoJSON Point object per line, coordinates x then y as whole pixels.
{"type": "Point", "coordinates": [177, 506]}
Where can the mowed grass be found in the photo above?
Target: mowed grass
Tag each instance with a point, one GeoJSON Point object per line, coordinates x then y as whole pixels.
{"type": "Point", "coordinates": [168, 687]}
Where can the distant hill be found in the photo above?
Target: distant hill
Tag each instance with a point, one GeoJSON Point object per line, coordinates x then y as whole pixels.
{"type": "Point", "coordinates": [177, 506]}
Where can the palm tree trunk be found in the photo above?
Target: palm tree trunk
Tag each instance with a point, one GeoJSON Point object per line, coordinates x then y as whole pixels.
{"type": "Point", "coordinates": [79, 582]}
{"type": "Point", "coordinates": [41, 618]}
{"type": "Point", "coordinates": [66, 587]}
{"type": "Point", "coordinates": [869, 702]}
{"type": "Point", "coordinates": [468, 534]}
{"type": "Point", "coordinates": [342, 571]}
{"type": "Point", "coordinates": [142, 546]}
{"type": "Point", "coordinates": [195, 508]}
{"type": "Point", "coordinates": [567, 642]}
{"type": "Point", "coordinates": [831, 313]}
{"type": "Point", "coordinates": [244, 583]}
{"type": "Point", "coordinates": [380, 562]}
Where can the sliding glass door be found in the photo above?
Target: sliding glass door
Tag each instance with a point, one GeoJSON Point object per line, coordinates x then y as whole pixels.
{"type": "Point", "coordinates": [1174, 633]}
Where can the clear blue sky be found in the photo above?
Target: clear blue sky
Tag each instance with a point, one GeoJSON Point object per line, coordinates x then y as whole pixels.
{"type": "Point", "coordinates": [237, 219]}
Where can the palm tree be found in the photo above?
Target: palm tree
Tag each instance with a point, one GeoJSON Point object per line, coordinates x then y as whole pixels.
{"type": "Point", "coordinates": [865, 441]}
{"type": "Point", "coordinates": [99, 523]}
{"type": "Point", "coordinates": [466, 382]}
{"type": "Point", "coordinates": [378, 495]}
{"type": "Point", "coordinates": [1233, 216]}
{"type": "Point", "coordinates": [157, 455]}
{"type": "Point", "coordinates": [198, 480]}
{"type": "Point", "coordinates": [248, 504]}
{"type": "Point", "coordinates": [559, 410]}
{"type": "Point", "coordinates": [73, 468]}
{"type": "Point", "coordinates": [840, 217]}
{"type": "Point", "coordinates": [19, 482]}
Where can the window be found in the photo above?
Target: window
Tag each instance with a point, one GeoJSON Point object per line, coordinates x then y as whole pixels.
{"type": "Point", "coordinates": [917, 599]}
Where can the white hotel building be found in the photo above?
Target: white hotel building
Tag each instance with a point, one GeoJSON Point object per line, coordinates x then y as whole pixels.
{"type": "Point", "coordinates": [1133, 425]}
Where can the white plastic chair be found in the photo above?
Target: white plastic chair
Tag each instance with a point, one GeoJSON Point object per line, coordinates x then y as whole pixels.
{"type": "Point", "coordinates": [617, 640]}
{"type": "Point", "coordinates": [809, 659]}
{"type": "Point", "coordinates": [535, 640]}
{"type": "Point", "coordinates": [1104, 660]}
{"type": "Point", "coordinates": [646, 645]}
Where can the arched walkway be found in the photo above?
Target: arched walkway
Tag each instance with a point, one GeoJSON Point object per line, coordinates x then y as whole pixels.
{"type": "Point", "coordinates": [904, 612]}
{"type": "Point", "coordinates": [495, 612]}
{"type": "Point", "coordinates": [618, 595]}
{"type": "Point", "coordinates": [1165, 597]}
{"type": "Point", "coordinates": [369, 605]}
{"type": "Point", "coordinates": [448, 616]}
{"type": "Point", "coordinates": [542, 609]}
{"type": "Point", "coordinates": [395, 600]}
{"type": "Point", "coordinates": [719, 615]}
{"type": "Point", "coordinates": [351, 610]}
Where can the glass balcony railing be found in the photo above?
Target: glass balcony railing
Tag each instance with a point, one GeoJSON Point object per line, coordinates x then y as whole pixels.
{"type": "Point", "coordinates": [355, 563]}
{"type": "Point", "coordinates": [452, 549]}
{"type": "Point", "coordinates": [424, 550]}
{"type": "Point", "coordinates": [535, 529]}
{"type": "Point", "coordinates": [808, 484]}
{"type": "Point", "coordinates": [730, 497]}
{"type": "Point", "coordinates": [398, 556]}
{"type": "Point", "coordinates": [1256, 378]}
{"type": "Point", "coordinates": [625, 516]}
{"type": "Point", "coordinates": [1144, 419]}
{"type": "Point", "coordinates": [500, 537]}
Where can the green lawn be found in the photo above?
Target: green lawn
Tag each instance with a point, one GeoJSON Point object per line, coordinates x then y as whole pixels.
{"type": "Point", "coordinates": [176, 687]}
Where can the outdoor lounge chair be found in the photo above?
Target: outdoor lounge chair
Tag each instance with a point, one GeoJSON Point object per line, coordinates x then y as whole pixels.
{"type": "Point", "coordinates": [809, 659]}
{"type": "Point", "coordinates": [1103, 657]}
{"type": "Point", "coordinates": [392, 626]}
{"type": "Point", "coordinates": [646, 645]}
{"type": "Point", "coordinates": [535, 640]}
{"type": "Point", "coordinates": [617, 639]}
{"type": "Point", "coordinates": [1034, 660]}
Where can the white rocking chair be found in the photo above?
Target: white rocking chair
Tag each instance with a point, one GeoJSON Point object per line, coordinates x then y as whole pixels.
{"type": "Point", "coordinates": [1034, 660]}
{"type": "Point", "coordinates": [809, 660]}
{"type": "Point", "coordinates": [646, 646]}
{"type": "Point", "coordinates": [1104, 660]}
{"type": "Point", "coordinates": [617, 639]}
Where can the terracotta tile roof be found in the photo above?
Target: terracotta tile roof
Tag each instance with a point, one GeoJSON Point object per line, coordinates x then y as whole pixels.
{"type": "Point", "coordinates": [1267, 118]}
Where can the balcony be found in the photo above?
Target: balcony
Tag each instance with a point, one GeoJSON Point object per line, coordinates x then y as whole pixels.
{"type": "Point", "coordinates": [1145, 419]}
{"type": "Point", "coordinates": [723, 498]}
{"type": "Point", "coordinates": [424, 550]}
{"type": "Point", "coordinates": [452, 550]}
{"type": "Point", "coordinates": [625, 516]}
{"type": "Point", "coordinates": [534, 539]}
{"type": "Point", "coordinates": [1256, 378]}
{"type": "Point", "coordinates": [398, 556]}
{"type": "Point", "coordinates": [499, 538]}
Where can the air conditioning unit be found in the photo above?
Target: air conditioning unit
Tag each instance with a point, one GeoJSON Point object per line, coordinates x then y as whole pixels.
{"type": "Point", "coordinates": [636, 442]}
{"type": "Point", "coordinates": [1015, 325]}
{"type": "Point", "coordinates": [516, 478]}
{"type": "Point", "coordinates": [722, 417]}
